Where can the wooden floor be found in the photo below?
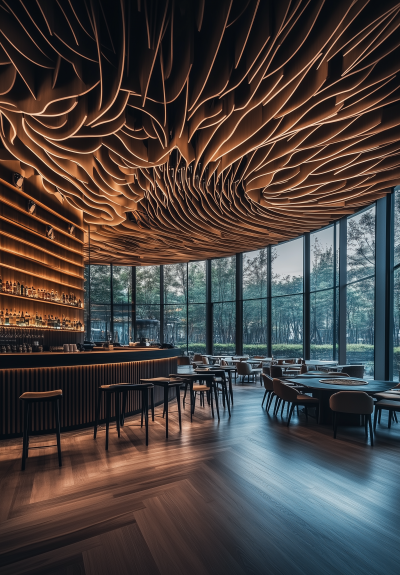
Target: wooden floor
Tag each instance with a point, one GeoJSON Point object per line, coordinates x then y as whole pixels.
{"type": "Point", "coordinates": [246, 495]}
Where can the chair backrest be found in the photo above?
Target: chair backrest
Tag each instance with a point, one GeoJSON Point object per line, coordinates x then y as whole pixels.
{"type": "Point", "coordinates": [357, 402]}
{"type": "Point", "coordinates": [258, 356]}
{"type": "Point", "coordinates": [205, 359]}
{"type": "Point", "coordinates": [183, 360]}
{"type": "Point", "coordinates": [280, 361]}
{"type": "Point", "coordinates": [275, 371]}
{"type": "Point", "coordinates": [223, 362]}
{"type": "Point", "coordinates": [197, 357]}
{"type": "Point", "coordinates": [284, 391]}
{"type": "Point", "coordinates": [354, 370]}
{"type": "Point", "coordinates": [268, 382]}
{"type": "Point", "coordinates": [303, 368]}
{"type": "Point", "coordinates": [243, 368]}
{"type": "Point", "coordinates": [335, 374]}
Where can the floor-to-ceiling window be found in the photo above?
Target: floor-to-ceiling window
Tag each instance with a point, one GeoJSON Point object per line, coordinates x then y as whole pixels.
{"type": "Point", "coordinates": [99, 313]}
{"type": "Point", "coordinates": [197, 307]}
{"type": "Point", "coordinates": [324, 279]}
{"type": "Point", "coordinates": [360, 308]}
{"type": "Point", "coordinates": [148, 302]}
{"type": "Point", "coordinates": [122, 303]}
{"type": "Point", "coordinates": [287, 299]}
{"type": "Point", "coordinates": [175, 305]}
{"type": "Point", "coordinates": [223, 295]}
{"type": "Point", "coordinates": [396, 286]}
{"type": "Point", "coordinates": [255, 281]}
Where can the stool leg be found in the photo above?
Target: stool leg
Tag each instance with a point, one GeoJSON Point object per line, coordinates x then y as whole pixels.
{"type": "Point", "coordinates": [152, 403]}
{"type": "Point", "coordinates": [58, 432]}
{"type": "Point", "coordinates": [146, 413]}
{"type": "Point", "coordinates": [375, 417]}
{"type": "Point", "coordinates": [178, 400]}
{"type": "Point", "coordinates": [24, 442]}
{"type": "Point", "coordinates": [166, 410]}
{"type": "Point", "coordinates": [96, 422]}
{"type": "Point", "coordinates": [108, 412]}
{"type": "Point", "coordinates": [118, 412]}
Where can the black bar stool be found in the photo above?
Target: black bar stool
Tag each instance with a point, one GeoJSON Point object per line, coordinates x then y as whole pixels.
{"type": "Point", "coordinates": [123, 388]}
{"type": "Point", "coordinates": [30, 397]}
{"type": "Point", "coordinates": [167, 383]}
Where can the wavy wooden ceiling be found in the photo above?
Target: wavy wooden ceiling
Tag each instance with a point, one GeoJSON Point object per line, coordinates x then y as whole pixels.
{"type": "Point", "coordinates": [191, 129]}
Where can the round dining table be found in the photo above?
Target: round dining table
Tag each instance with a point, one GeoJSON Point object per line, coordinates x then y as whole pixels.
{"type": "Point", "coordinates": [323, 391]}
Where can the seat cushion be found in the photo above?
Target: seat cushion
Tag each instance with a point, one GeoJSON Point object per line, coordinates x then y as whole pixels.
{"type": "Point", "coordinates": [307, 399]}
{"type": "Point", "coordinates": [387, 404]}
{"type": "Point", "coordinates": [388, 395]}
{"type": "Point", "coordinates": [41, 394]}
{"type": "Point", "coordinates": [197, 387]}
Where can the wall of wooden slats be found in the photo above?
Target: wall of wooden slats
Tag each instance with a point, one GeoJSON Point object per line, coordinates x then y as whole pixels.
{"type": "Point", "coordinates": [80, 392]}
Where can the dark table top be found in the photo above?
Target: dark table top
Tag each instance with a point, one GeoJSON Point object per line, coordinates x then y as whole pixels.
{"type": "Point", "coordinates": [373, 385]}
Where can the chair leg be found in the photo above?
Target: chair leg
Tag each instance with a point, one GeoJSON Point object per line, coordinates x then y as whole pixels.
{"type": "Point", "coordinates": [380, 415]}
{"type": "Point", "coordinates": [371, 433]}
{"type": "Point", "coordinates": [146, 413]}
{"type": "Point", "coordinates": [216, 399]}
{"type": "Point", "coordinates": [184, 395]}
{"type": "Point", "coordinates": [290, 414]}
{"type": "Point", "coordinates": [118, 413]}
{"type": "Point", "coordinates": [225, 390]}
{"type": "Point", "coordinates": [166, 410]}
{"type": "Point", "coordinates": [178, 400]}
{"type": "Point", "coordinates": [265, 395]}
{"type": "Point", "coordinates": [306, 412]}
{"type": "Point", "coordinates": [152, 403]}
{"type": "Point", "coordinates": [108, 412]}
{"type": "Point", "coordinates": [96, 422]}
{"type": "Point", "coordinates": [375, 416]}
{"type": "Point", "coordinates": [122, 417]}
{"type": "Point", "coordinates": [335, 418]}
{"type": "Point", "coordinates": [212, 403]}
{"type": "Point", "coordinates": [395, 417]}
{"type": "Point", "coordinates": [390, 420]}
{"type": "Point", "coordinates": [25, 436]}
{"type": "Point", "coordinates": [57, 406]}
{"type": "Point", "coordinates": [283, 407]}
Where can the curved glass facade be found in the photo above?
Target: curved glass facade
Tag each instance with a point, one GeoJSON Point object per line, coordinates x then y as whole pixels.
{"type": "Point", "coordinates": [330, 294]}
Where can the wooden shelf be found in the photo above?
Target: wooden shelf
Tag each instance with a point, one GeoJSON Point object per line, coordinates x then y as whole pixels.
{"type": "Point", "coordinates": [41, 328]}
{"type": "Point", "coordinates": [38, 300]}
{"type": "Point", "coordinates": [36, 247]}
{"type": "Point", "coordinates": [18, 209]}
{"type": "Point", "coordinates": [33, 232]}
{"type": "Point", "coordinates": [39, 263]}
{"type": "Point", "coordinates": [35, 275]}
{"type": "Point", "coordinates": [38, 203]}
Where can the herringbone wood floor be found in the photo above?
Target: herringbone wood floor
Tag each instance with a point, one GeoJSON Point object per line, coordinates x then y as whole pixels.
{"type": "Point", "coordinates": [245, 495]}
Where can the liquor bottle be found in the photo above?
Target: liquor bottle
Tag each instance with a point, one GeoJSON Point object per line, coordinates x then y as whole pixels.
{"type": "Point", "coordinates": [14, 288]}
{"type": "Point", "coordinates": [1, 284]}
{"type": "Point", "coordinates": [7, 318]}
{"type": "Point", "coordinates": [52, 295]}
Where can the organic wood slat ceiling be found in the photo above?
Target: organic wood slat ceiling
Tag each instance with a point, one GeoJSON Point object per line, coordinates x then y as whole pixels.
{"type": "Point", "coordinates": [190, 129]}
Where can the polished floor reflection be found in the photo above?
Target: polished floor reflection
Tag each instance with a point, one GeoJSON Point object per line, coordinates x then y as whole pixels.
{"type": "Point", "coordinates": [245, 495]}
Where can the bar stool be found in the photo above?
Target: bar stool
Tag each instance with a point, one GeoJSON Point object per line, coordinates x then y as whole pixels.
{"type": "Point", "coordinates": [167, 383]}
{"type": "Point", "coordinates": [30, 397]}
{"type": "Point", "coordinates": [123, 388]}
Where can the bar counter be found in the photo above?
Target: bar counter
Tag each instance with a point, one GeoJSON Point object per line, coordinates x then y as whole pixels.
{"type": "Point", "coordinates": [79, 375]}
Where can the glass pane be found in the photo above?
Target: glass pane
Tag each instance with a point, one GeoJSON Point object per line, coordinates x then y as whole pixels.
{"type": "Point", "coordinates": [197, 328]}
{"type": "Point", "coordinates": [122, 284]}
{"type": "Point", "coordinates": [287, 268]}
{"type": "Point", "coordinates": [197, 282]}
{"type": "Point", "coordinates": [148, 284]}
{"type": "Point", "coordinates": [255, 327]}
{"type": "Point", "coordinates": [175, 325]}
{"type": "Point", "coordinates": [322, 324]}
{"type": "Point", "coordinates": [360, 325]}
{"type": "Point", "coordinates": [287, 326]}
{"type": "Point", "coordinates": [396, 287]}
{"type": "Point", "coordinates": [361, 245]}
{"type": "Point", "coordinates": [100, 324]}
{"type": "Point", "coordinates": [100, 279]}
{"type": "Point", "coordinates": [255, 274]}
{"type": "Point", "coordinates": [322, 259]}
{"type": "Point", "coordinates": [224, 328]}
{"type": "Point", "coordinates": [148, 322]}
{"type": "Point", "coordinates": [122, 323]}
{"type": "Point", "coordinates": [175, 283]}
{"type": "Point", "coordinates": [223, 279]}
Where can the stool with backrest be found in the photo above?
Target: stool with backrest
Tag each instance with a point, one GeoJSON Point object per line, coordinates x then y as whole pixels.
{"type": "Point", "coordinates": [291, 395]}
{"type": "Point", "coordinates": [33, 397]}
{"type": "Point", "coordinates": [123, 388]}
{"type": "Point", "coordinates": [354, 402]}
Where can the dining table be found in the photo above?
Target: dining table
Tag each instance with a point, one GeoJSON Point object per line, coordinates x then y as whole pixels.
{"type": "Point", "coordinates": [323, 387]}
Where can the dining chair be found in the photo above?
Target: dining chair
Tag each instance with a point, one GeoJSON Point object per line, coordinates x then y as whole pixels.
{"type": "Point", "coordinates": [269, 390]}
{"type": "Point", "coordinates": [294, 398]}
{"type": "Point", "coordinates": [354, 402]}
{"type": "Point", "coordinates": [183, 360]}
{"type": "Point", "coordinates": [389, 405]}
{"type": "Point", "coordinates": [245, 369]}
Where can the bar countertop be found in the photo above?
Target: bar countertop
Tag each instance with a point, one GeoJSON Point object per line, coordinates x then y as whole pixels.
{"type": "Point", "coordinates": [62, 359]}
